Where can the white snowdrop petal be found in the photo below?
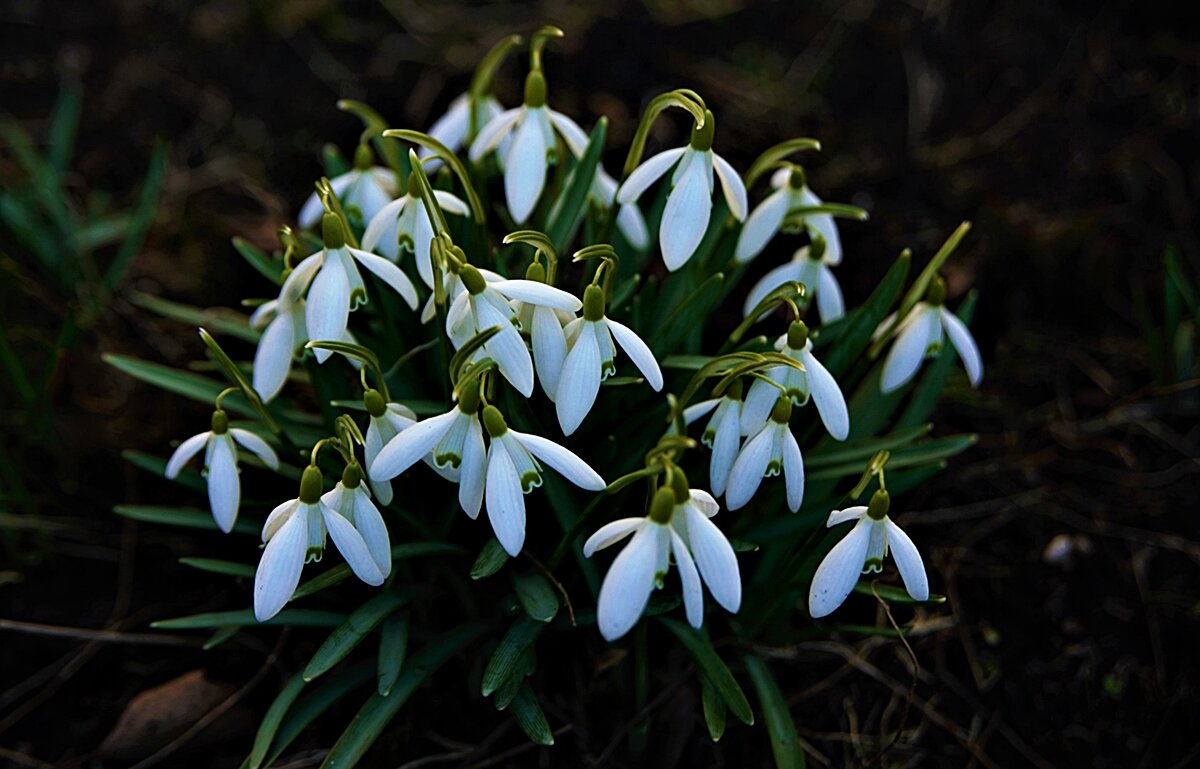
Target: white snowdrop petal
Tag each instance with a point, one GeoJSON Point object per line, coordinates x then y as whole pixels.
{"type": "Point", "coordinates": [908, 561]}
{"type": "Point", "coordinates": [407, 448]}
{"type": "Point", "coordinates": [492, 133]}
{"type": "Point", "coordinates": [908, 351]}
{"type": "Point", "coordinates": [575, 137]}
{"type": "Point", "coordinates": [352, 546]}
{"type": "Point", "coordinates": [549, 348]}
{"type": "Point", "coordinates": [505, 500]}
{"type": "Point", "coordinates": [731, 184]}
{"type": "Point", "coordinates": [748, 469]}
{"type": "Point", "coordinates": [536, 292]}
{"type": "Point", "coordinates": [693, 595]}
{"type": "Point", "coordinates": [564, 461]}
{"type": "Point", "coordinates": [369, 522]}
{"type": "Point", "coordinates": [831, 404]}
{"type": "Point", "coordinates": [697, 410]}
{"type": "Point", "coordinates": [525, 169]}
{"type": "Point", "coordinates": [638, 352]}
{"type": "Point", "coordinates": [298, 280]}
{"type": "Point", "coordinates": [328, 307]}
{"type": "Point", "coordinates": [611, 534]}
{"type": "Point", "coordinates": [451, 128]}
{"type": "Point", "coordinates": [422, 236]}
{"type": "Point", "coordinates": [790, 272]}
{"type": "Point", "coordinates": [764, 221]}
{"type": "Point", "coordinates": [965, 345]}
{"type": "Point", "coordinates": [629, 582]}
{"type": "Point", "coordinates": [182, 455]}
{"type": "Point", "coordinates": [838, 573]}
{"type": "Point", "coordinates": [756, 408]}
{"type": "Point", "coordinates": [632, 225]}
{"type": "Point", "coordinates": [849, 514]}
{"type": "Point", "coordinates": [685, 218]}
{"type": "Point", "coordinates": [381, 233]}
{"type": "Point", "coordinates": [726, 442]}
{"type": "Point", "coordinates": [277, 518]}
{"type": "Point", "coordinates": [829, 296]}
{"type": "Point", "coordinates": [704, 502]}
{"type": "Point", "coordinates": [471, 471]}
{"type": "Point", "coordinates": [450, 203]}
{"type": "Point", "coordinates": [257, 445]}
{"type": "Point", "coordinates": [273, 358]}
{"type": "Point", "coordinates": [580, 380]}
{"type": "Point", "coordinates": [793, 469]}
{"type": "Point", "coordinates": [648, 173]}
{"type": "Point", "coordinates": [508, 349]}
{"type": "Point", "coordinates": [279, 569]}
{"type": "Point", "coordinates": [715, 559]}
{"type": "Point", "coordinates": [389, 274]}
{"type": "Point", "coordinates": [312, 209]}
{"type": "Point", "coordinates": [825, 225]}
{"type": "Point", "coordinates": [224, 490]}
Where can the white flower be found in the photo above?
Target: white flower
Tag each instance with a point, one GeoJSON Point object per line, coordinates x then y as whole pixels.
{"type": "Point", "coordinates": [282, 323]}
{"type": "Point", "coordinates": [678, 525]}
{"type": "Point", "coordinates": [590, 360]}
{"type": "Point", "coordinates": [453, 128]}
{"type": "Point", "coordinates": [798, 384]}
{"type": "Point", "coordinates": [503, 476]}
{"type": "Point", "coordinates": [689, 206]}
{"type": "Point", "coordinates": [335, 286]}
{"type": "Point", "coordinates": [387, 421]}
{"type": "Point", "coordinates": [220, 464]}
{"type": "Point", "coordinates": [862, 551]}
{"type": "Point", "coordinates": [772, 449]}
{"type": "Point", "coordinates": [816, 277]}
{"type": "Point", "coordinates": [294, 534]}
{"type": "Point", "coordinates": [403, 225]}
{"type": "Point", "coordinates": [919, 336]}
{"type": "Point", "coordinates": [363, 190]}
{"type": "Point", "coordinates": [722, 434]}
{"type": "Point", "coordinates": [544, 327]}
{"type": "Point", "coordinates": [790, 192]}
{"type": "Point", "coordinates": [485, 304]}
{"type": "Point", "coordinates": [532, 127]}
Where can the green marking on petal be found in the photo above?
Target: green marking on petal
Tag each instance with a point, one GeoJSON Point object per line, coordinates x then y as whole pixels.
{"type": "Point", "coordinates": [530, 481]}
{"type": "Point", "coordinates": [773, 468]}
{"type": "Point", "coordinates": [357, 297]}
{"type": "Point", "coordinates": [873, 566]}
{"type": "Point", "coordinates": [448, 459]}
{"type": "Point", "coordinates": [933, 349]}
{"type": "Point", "coordinates": [709, 436]}
{"type": "Point", "coordinates": [314, 554]}
{"type": "Point", "coordinates": [659, 577]}
{"type": "Point", "coordinates": [607, 369]}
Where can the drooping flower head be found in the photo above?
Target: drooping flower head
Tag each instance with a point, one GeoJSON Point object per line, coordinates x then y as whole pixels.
{"type": "Point", "coordinates": [387, 420]}
{"type": "Point", "coordinates": [919, 336]}
{"type": "Point", "coordinates": [791, 192]}
{"type": "Point", "coordinates": [363, 191]}
{"type": "Point", "coordinates": [810, 267]}
{"type": "Point", "coordinates": [722, 434]}
{"type": "Point", "coordinates": [862, 550]}
{"type": "Point", "coordinates": [798, 384]}
{"type": "Point", "coordinates": [404, 225]}
{"type": "Point", "coordinates": [220, 464]}
{"type": "Point", "coordinates": [769, 451]}
{"type": "Point", "coordinates": [689, 206]}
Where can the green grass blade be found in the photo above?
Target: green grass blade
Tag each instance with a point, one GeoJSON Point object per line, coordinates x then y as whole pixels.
{"type": "Point", "coordinates": [342, 572]}
{"type": "Point", "coordinates": [217, 566]}
{"type": "Point", "coordinates": [785, 744]}
{"type": "Point", "coordinates": [351, 633]}
{"type": "Point", "coordinates": [857, 327]}
{"type": "Point", "coordinates": [505, 660]}
{"type": "Point", "coordinates": [536, 595]}
{"type": "Point", "coordinates": [714, 709]}
{"type": "Point", "coordinates": [244, 617]}
{"type": "Point", "coordinates": [393, 645]}
{"type": "Point", "coordinates": [188, 517]}
{"type": "Point", "coordinates": [266, 266]}
{"type": "Point", "coordinates": [711, 666]}
{"type": "Point", "coordinates": [309, 709]}
{"type": "Point", "coordinates": [530, 718]}
{"type": "Point", "coordinates": [222, 319]}
{"type": "Point", "coordinates": [143, 217]}
{"type": "Point", "coordinates": [578, 186]}
{"type": "Point", "coordinates": [271, 721]}
{"type": "Point", "coordinates": [491, 559]}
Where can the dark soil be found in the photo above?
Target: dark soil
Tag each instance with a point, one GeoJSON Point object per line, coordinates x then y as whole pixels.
{"type": "Point", "coordinates": [1066, 540]}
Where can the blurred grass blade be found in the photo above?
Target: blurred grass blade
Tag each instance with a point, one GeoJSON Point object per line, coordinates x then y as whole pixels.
{"type": "Point", "coordinates": [221, 635]}
{"type": "Point", "coordinates": [223, 319]}
{"type": "Point", "coordinates": [785, 745]}
{"type": "Point", "coordinates": [893, 594]}
{"type": "Point", "coordinates": [244, 617]}
{"type": "Point", "coordinates": [530, 718]}
{"type": "Point", "coordinates": [185, 383]}
{"type": "Point", "coordinates": [504, 662]}
{"type": "Point", "coordinates": [536, 595]}
{"type": "Point", "coordinates": [189, 517]}
{"type": "Point", "coordinates": [342, 571]}
{"type": "Point", "coordinates": [237, 377]}
{"type": "Point", "coordinates": [311, 707]}
{"type": "Point", "coordinates": [927, 453]}
{"type": "Point", "coordinates": [351, 633]}
{"type": "Point", "coordinates": [711, 666]}
{"type": "Point", "coordinates": [854, 335]}
{"type": "Point", "coordinates": [64, 124]}
{"type": "Point", "coordinates": [217, 566]}
{"type": "Point", "coordinates": [272, 720]}
{"type": "Point", "coordinates": [569, 206]}
{"type": "Point", "coordinates": [491, 559]}
{"type": "Point", "coordinates": [187, 477]}
{"type": "Point", "coordinates": [393, 644]}
{"type": "Point", "coordinates": [863, 449]}
{"type": "Point", "coordinates": [378, 711]}
{"type": "Point", "coordinates": [269, 268]}
{"type": "Point", "coordinates": [143, 217]}
{"type": "Point", "coordinates": [689, 315]}
{"type": "Point", "coordinates": [714, 709]}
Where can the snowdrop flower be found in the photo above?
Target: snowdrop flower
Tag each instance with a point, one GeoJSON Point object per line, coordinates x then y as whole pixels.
{"type": "Point", "coordinates": [403, 225]}
{"type": "Point", "coordinates": [334, 284]}
{"type": "Point", "coordinates": [863, 551]}
{"type": "Point", "coordinates": [689, 206]}
{"type": "Point", "coordinates": [364, 190]}
{"type": "Point", "coordinates": [532, 127]}
{"type": "Point", "coordinates": [722, 434]}
{"type": "Point", "coordinates": [502, 477]}
{"type": "Point", "coordinates": [679, 525]}
{"type": "Point", "coordinates": [453, 128]}
{"type": "Point", "coordinates": [220, 464]}
{"type": "Point", "coordinates": [768, 218]}
{"type": "Point", "coordinates": [485, 304]}
{"type": "Point", "coordinates": [772, 449]}
{"type": "Point", "coordinates": [283, 335]}
{"type": "Point", "coordinates": [387, 421]}
{"type": "Point", "coordinates": [294, 534]}
{"type": "Point", "coordinates": [919, 336]}
{"type": "Point", "coordinates": [544, 327]}
{"type": "Point", "coordinates": [798, 384]}
{"type": "Point", "coordinates": [590, 360]}
{"type": "Point", "coordinates": [603, 192]}
{"type": "Point", "coordinates": [452, 443]}
{"type": "Point", "coordinates": [351, 500]}
{"type": "Point", "coordinates": [810, 267]}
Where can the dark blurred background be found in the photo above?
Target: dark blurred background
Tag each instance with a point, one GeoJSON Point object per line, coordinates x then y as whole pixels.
{"type": "Point", "coordinates": [1067, 541]}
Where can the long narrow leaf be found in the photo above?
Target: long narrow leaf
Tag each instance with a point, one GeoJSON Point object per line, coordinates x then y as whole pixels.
{"type": "Point", "coordinates": [711, 665]}
{"type": "Point", "coordinates": [351, 633]}
{"type": "Point", "coordinates": [785, 745]}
